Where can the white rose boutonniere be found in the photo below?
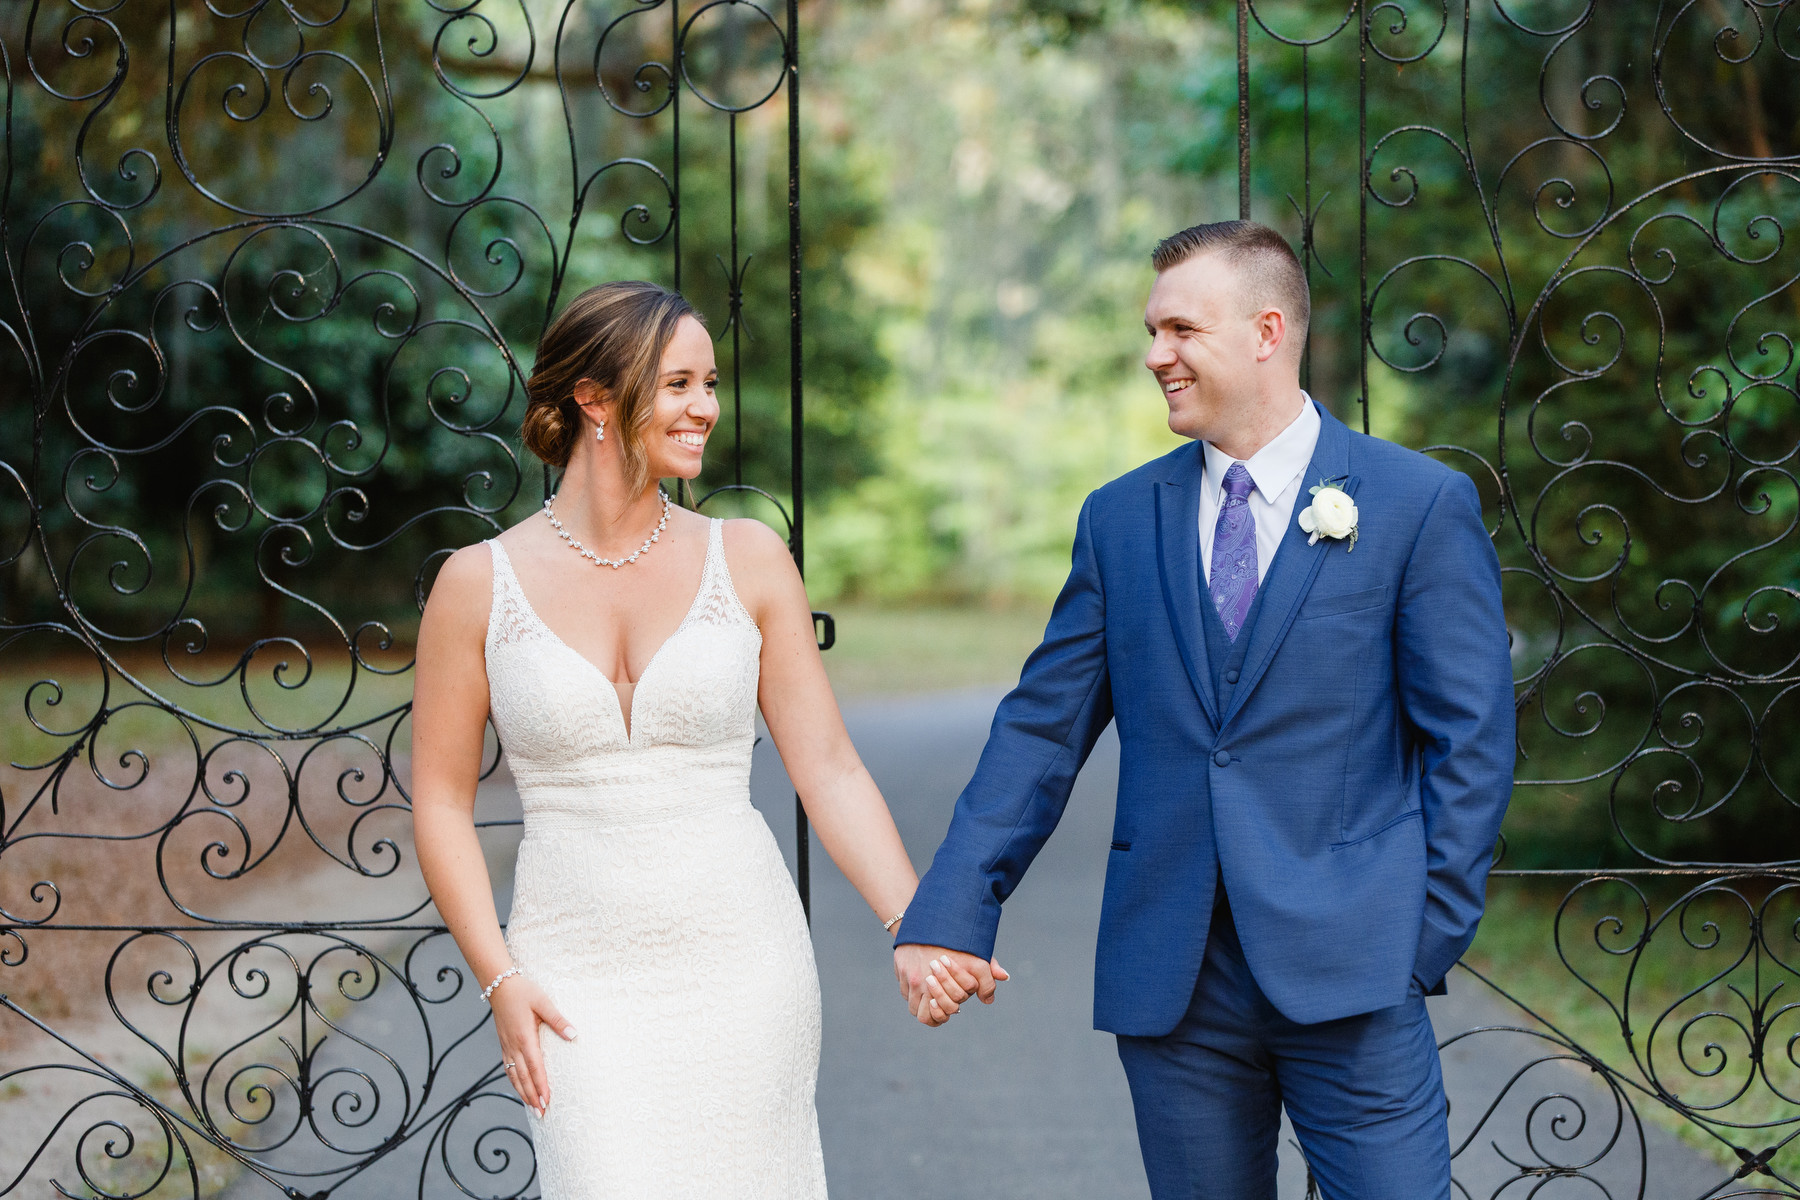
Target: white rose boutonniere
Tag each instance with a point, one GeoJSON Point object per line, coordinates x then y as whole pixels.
{"type": "Point", "coordinates": [1332, 514]}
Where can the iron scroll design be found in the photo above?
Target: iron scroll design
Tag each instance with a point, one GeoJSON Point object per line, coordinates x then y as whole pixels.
{"type": "Point", "coordinates": [269, 272]}
{"type": "Point", "coordinates": [1560, 259]}
{"type": "Point", "coordinates": [1557, 257]}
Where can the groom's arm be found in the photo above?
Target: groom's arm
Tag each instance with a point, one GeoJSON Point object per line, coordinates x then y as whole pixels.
{"type": "Point", "coordinates": [1454, 673]}
{"type": "Point", "coordinates": [1042, 733]}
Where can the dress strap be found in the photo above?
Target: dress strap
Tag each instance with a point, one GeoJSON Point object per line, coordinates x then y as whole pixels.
{"type": "Point", "coordinates": [718, 594]}
{"type": "Point", "coordinates": [715, 544]}
{"type": "Point", "coordinates": [504, 579]}
{"type": "Point", "coordinates": [509, 615]}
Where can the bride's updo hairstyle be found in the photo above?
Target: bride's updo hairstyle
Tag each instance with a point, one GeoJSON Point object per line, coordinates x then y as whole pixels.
{"type": "Point", "coordinates": [613, 335]}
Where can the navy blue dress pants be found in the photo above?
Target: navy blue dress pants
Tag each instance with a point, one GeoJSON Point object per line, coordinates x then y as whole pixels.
{"type": "Point", "coordinates": [1365, 1094]}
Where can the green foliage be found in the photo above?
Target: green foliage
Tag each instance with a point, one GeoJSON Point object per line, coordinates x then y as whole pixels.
{"type": "Point", "coordinates": [1012, 263]}
{"type": "Point", "coordinates": [1611, 306]}
{"type": "Point", "coordinates": [1563, 280]}
{"type": "Point", "coordinates": [359, 368]}
{"type": "Point", "coordinates": [982, 183]}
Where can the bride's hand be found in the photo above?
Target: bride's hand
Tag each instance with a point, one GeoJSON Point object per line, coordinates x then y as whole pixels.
{"type": "Point", "coordinates": [936, 981]}
{"type": "Point", "coordinates": [519, 1005]}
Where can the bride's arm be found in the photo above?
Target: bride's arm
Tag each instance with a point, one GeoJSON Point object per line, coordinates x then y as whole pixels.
{"type": "Point", "coordinates": [841, 800]}
{"type": "Point", "coordinates": [450, 710]}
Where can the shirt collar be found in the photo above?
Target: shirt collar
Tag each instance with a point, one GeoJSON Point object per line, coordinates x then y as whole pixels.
{"type": "Point", "coordinates": [1273, 467]}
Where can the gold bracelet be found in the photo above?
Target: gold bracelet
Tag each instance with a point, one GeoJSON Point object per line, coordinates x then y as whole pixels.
{"type": "Point", "coordinates": [887, 926]}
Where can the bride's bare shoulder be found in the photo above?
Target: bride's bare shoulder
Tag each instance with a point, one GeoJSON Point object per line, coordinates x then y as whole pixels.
{"type": "Point", "coordinates": [762, 567]}
{"type": "Point", "coordinates": [461, 594]}
{"type": "Point", "coordinates": [757, 546]}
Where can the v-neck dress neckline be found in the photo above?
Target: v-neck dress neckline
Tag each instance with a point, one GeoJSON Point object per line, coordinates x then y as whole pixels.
{"type": "Point", "coordinates": [627, 713]}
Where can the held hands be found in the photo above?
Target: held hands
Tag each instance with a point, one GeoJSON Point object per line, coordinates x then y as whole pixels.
{"type": "Point", "coordinates": [519, 1006]}
{"type": "Point", "coordinates": [937, 982]}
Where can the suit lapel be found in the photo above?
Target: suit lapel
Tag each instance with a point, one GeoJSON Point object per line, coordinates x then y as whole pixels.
{"type": "Point", "coordinates": [1296, 564]}
{"type": "Point", "coordinates": [1178, 557]}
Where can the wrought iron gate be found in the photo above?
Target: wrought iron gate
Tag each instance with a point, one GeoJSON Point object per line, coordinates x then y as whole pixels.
{"type": "Point", "coordinates": [269, 267]}
{"type": "Point", "coordinates": [1550, 242]}
{"type": "Point", "coordinates": [270, 271]}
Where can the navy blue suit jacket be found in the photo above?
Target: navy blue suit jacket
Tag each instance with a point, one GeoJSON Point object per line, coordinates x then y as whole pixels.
{"type": "Point", "coordinates": [1349, 786]}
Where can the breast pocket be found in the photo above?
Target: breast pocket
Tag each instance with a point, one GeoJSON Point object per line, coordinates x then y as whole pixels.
{"type": "Point", "coordinates": [1345, 602]}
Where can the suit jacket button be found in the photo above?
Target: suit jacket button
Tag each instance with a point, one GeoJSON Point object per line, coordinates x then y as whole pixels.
{"type": "Point", "coordinates": [1222, 759]}
{"type": "Point", "coordinates": [1231, 677]}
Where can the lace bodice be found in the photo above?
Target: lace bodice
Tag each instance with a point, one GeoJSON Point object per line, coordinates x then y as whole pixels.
{"type": "Point", "coordinates": [560, 719]}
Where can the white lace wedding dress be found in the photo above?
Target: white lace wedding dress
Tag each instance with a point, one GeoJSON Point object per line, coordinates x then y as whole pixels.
{"type": "Point", "coordinates": [653, 906]}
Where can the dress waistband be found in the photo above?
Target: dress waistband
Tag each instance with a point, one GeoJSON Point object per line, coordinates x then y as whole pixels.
{"type": "Point", "coordinates": [593, 815]}
{"type": "Point", "coordinates": [637, 786]}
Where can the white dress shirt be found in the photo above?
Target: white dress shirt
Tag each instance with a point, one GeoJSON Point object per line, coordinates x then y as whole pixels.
{"type": "Point", "coordinates": [1277, 470]}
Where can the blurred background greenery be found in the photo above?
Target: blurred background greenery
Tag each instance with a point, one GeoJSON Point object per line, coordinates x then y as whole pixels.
{"type": "Point", "coordinates": [981, 186]}
{"type": "Point", "coordinates": [982, 183]}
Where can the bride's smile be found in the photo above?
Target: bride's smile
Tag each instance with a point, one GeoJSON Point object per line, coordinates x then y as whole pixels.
{"type": "Point", "coordinates": [686, 406]}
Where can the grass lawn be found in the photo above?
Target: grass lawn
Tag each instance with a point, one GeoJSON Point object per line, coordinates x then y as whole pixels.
{"type": "Point", "coordinates": [64, 692]}
{"type": "Point", "coordinates": [896, 651]}
{"type": "Point", "coordinates": [879, 652]}
{"type": "Point", "coordinates": [1671, 991]}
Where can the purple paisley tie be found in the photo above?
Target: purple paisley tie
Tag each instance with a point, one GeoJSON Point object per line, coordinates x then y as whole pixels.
{"type": "Point", "coordinates": [1232, 580]}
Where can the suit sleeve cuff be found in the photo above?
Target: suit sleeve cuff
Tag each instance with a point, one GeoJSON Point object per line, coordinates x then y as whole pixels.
{"type": "Point", "coordinates": [962, 916]}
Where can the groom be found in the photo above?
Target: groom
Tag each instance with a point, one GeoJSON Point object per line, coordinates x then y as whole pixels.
{"type": "Point", "coordinates": [1298, 630]}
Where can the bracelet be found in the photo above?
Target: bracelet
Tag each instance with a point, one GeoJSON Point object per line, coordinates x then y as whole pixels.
{"type": "Point", "coordinates": [499, 979]}
{"type": "Point", "coordinates": [887, 926]}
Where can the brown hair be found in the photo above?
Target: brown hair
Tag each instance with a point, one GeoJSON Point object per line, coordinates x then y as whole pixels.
{"type": "Point", "coordinates": [614, 336]}
{"type": "Point", "coordinates": [1272, 275]}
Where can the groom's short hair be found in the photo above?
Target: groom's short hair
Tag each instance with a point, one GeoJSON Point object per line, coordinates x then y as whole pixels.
{"type": "Point", "coordinates": [1272, 275]}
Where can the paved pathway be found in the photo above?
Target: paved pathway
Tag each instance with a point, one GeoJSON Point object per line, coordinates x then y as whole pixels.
{"type": "Point", "coordinates": [1024, 1099]}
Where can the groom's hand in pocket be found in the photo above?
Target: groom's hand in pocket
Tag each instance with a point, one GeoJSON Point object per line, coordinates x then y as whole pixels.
{"type": "Point", "coordinates": [936, 982]}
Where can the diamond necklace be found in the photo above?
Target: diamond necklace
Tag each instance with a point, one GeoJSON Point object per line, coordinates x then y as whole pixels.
{"type": "Point", "coordinates": [614, 563]}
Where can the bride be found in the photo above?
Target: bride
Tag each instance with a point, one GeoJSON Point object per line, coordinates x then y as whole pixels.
{"type": "Point", "coordinates": [621, 646]}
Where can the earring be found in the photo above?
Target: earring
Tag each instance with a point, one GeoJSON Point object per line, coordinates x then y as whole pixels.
{"type": "Point", "coordinates": [600, 434]}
